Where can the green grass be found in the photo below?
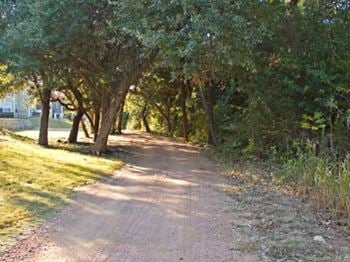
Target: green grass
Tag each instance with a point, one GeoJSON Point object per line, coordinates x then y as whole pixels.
{"type": "Point", "coordinates": [58, 129]}
{"type": "Point", "coordinates": [53, 123]}
{"type": "Point", "coordinates": [35, 182]}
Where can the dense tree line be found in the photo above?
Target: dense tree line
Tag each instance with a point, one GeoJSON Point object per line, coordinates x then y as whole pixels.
{"type": "Point", "coordinates": [257, 77]}
{"type": "Point", "coordinates": [264, 78]}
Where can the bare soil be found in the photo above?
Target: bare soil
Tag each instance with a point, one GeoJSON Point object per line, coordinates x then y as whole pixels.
{"type": "Point", "coordinates": [171, 203]}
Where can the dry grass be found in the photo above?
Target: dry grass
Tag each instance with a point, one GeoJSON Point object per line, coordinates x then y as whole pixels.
{"type": "Point", "coordinates": [327, 181]}
{"type": "Point", "coordinates": [279, 225]}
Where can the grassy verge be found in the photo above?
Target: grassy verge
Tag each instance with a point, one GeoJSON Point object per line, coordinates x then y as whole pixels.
{"type": "Point", "coordinates": [327, 181]}
{"type": "Point", "coordinates": [277, 225]}
{"type": "Point", "coordinates": [53, 123]}
{"type": "Point", "coordinates": [324, 179]}
{"type": "Point", "coordinates": [36, 182]}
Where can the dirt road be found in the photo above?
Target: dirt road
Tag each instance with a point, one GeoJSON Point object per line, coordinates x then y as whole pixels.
{"type": "Point", "coordinates": [167, 204]}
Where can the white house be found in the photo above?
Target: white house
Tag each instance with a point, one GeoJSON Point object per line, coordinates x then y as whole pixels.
{"type": "Point", "coordinates": [20, 105]}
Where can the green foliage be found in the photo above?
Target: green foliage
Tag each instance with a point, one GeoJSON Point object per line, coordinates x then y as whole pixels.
{"type": "Point", "coordinates": [6, 81]}
{"type": "Point", "coordinates": [5, 78]}
{"type": "Point", "coordinates": [279, 73]}
{"type": "Point", "coordinates": [133, 107]}
{"type": "Point", "coordinates": [295, 88]}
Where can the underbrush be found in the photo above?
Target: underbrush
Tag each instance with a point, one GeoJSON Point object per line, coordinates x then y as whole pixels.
{"type": "Point", "coordinates": [326, 180]}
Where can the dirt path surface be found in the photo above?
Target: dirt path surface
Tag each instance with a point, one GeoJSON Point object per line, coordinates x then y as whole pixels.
{"type": "Point", "coordinates": [171, 203]}
{"type": "Point", "coordinates": [167, 204]}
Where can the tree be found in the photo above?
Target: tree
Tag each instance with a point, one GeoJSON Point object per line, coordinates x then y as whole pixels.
{"type": "Point", "coordinates": [258, 75]}
{"type": "Point", "coordinates": [30, 47]}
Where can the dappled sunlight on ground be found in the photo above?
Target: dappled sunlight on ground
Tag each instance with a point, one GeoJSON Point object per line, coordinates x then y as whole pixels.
{"type": "Point", "coordinates": [166, 203]}
{"type": "Point", "coordinates": [170, 203]}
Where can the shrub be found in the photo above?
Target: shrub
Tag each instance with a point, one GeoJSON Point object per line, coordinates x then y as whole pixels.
{"type": "Point", "coordinates": [327, 180]}
{"type": "Point", "coordinates": [7, 115]}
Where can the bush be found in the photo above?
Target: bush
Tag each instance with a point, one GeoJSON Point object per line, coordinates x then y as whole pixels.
{"type": "Point", "coordinates": [7, 115]}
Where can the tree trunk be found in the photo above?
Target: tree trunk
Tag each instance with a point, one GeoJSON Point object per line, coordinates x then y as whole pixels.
{"type": "Point", "coordinates": [120, 117]}
{"type": "Point", "coordinates": [165, 116]}
{"type": "Point", "coordinates": [83, 126]}
{"type": "Point", "coordinates": [144, 118]}
{"type": "Point", "coordinates": [90, 116]}
{"type": "Point", "coordinates": [169, 126]}
{"type": "Point", "coordinates": [107, 121]}
{"type": "Point", "coordinates": [175, 121]}
{"type": "Point", "coordinates": [97, 117]}
{"type": "Point", "coordinates": [168, 119]}
{"type": "Point", "coordinates": [73, 136]}
{"type": "Point", "coordinates": [114, 129]}
{"type": "Point", "coordinates": [81, 110]}
{"type": "Point", "coordinates": [106, 104]}
{"type": "Point", "coordinates": [294, 3]}
{"type": "Point", "coordinates": [130, 78]}
{"type": "Point", "coordinates": [184, 112]}
{"type": "Point", "coordinates": [208, 105]}
{"type": "Point", "coordinates": [45, 113]}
